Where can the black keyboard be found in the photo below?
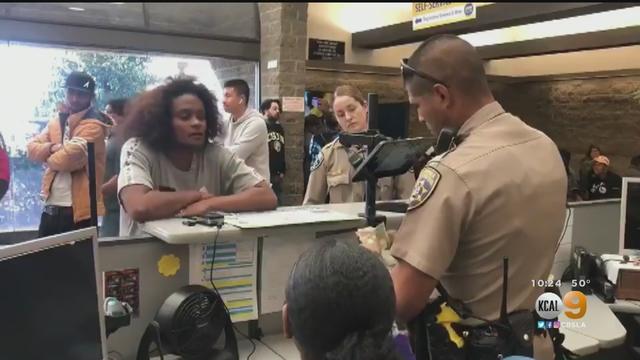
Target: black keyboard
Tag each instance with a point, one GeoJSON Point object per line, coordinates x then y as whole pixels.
{"type": "Point", "coordinates": [397, 207]}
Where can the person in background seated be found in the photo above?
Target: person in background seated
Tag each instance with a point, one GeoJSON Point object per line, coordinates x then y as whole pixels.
{"type": "Point", "coordinates": [634, 167]}
{"type": "Point", "coordinates": [271, 108]}
{"type": "Point", "coordinates": [573, 188]}
{"type": "Point", "coordinates": [603, 183]}
{"type": "Point", "coordinates": [169, 165]}
{"type": "Point", "coordinates": [586, 165]}
{"type": "Point", "coordinates": [5, 171]}
{"type": "Point", "coordinates": [340, 304]}
{"type": "Point", "coordinates": [111, 221]}
{"type": "Point", "coordinates": [334, 168]}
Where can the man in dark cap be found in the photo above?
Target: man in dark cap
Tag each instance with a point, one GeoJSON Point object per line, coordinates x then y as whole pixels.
{"type": "Point", "coordinates": [62, 146]}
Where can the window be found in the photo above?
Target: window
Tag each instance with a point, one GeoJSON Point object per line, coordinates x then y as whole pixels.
{"type": "Point", "coordinates": [32, 86]}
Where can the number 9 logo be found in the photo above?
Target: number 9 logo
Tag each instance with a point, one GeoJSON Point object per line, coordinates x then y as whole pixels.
{"type": "Point", "coordinates": [575, 300]}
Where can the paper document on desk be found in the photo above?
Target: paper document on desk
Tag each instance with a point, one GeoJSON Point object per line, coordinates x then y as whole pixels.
{"type": "Point", "coordinates": [234, 274]}
{"type": "Point", "coordinates": [296, 215]}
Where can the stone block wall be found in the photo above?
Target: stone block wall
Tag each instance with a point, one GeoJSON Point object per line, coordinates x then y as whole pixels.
{"type": "Point", "coordinates": [283, 38]}
{"type": "Point", "coordinates": [575, 113]}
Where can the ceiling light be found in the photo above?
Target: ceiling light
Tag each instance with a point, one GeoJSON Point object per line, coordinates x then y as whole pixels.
{"type": "Point", "coordinates": [602, 21]}
{"type": "Point", "coordinates": [73, 8]}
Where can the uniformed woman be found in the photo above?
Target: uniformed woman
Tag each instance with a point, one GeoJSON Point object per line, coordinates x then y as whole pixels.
{"type": "Point", "coordinates": [334, 168]}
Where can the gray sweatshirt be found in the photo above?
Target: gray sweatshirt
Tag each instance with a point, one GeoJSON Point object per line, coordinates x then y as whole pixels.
{"type": "Point", "coordinates": [247, 138]}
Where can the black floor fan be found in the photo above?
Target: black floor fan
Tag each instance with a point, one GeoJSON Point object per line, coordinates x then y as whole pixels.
{"type": "Point", "coordinates": [190, 323]}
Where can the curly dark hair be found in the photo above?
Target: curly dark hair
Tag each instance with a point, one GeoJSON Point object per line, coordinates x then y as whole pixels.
{"type": "Point", "coordinates": [150, 116]}
{"type": "Point", "coordinates": [267, 104]}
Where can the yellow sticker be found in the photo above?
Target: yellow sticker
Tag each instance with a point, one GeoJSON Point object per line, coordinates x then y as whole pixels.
{"type": "Point", "coordinates": [168, 265]}
{"type": "Point", "coordinates": [424, 187]}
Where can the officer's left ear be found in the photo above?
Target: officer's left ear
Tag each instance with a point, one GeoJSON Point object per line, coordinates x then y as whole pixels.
{"type": "Point", "coordinates": [442, 93]}
{"type": "Point", "coordinates": [286, 324]}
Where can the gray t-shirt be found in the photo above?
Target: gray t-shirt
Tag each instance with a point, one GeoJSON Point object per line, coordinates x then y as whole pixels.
{"type": "Point", "coordinates": [216, 169]}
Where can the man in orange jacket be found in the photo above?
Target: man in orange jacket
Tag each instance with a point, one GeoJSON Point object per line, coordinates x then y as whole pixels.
{"type": "Point", "coordinates": [62, 146]}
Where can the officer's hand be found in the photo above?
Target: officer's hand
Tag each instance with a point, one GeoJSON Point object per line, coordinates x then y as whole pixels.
{"type": "Point", "coordinates": [54, 148]}
{"type": "Point", "coordinates": [369, 241]}
{"type": "Point", "coordinates": [543, 347]}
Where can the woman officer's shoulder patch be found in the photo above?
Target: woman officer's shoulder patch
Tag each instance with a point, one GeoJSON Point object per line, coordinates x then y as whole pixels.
{"type": "Point", "coordinates": [424, 187]}
{"type": "Point", "coordinates": [317, 162]}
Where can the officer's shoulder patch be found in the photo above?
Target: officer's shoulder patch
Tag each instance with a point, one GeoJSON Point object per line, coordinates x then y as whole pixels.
{"type": "Point", "coordinates": [424, 187]}
{"type": "Point", "coordinates": [317, 162]}
{"type": "Point", "coordinates": [331, 143]}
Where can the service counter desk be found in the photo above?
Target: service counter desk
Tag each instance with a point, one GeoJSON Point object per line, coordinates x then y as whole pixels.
{"type": "Point", "coordinates": [252, 262]}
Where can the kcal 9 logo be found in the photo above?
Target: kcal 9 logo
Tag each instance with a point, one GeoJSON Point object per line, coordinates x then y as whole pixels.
{"type": "Point", "coordinates": [549, 305]}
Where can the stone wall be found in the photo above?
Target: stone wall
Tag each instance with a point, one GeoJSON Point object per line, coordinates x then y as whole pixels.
{"type": "Point", "coordinates": [283, 29]}
{"type": "Point", "coordinates": [575, 113]}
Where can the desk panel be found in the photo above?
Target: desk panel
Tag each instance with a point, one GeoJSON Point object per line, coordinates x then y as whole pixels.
{"type": "Point", "coordinates": [154, 287]}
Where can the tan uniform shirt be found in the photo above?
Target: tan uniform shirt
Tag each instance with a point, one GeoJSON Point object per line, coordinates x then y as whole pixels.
{"type": "Point", "coordinates": [500, 193]}
{"type": "Point", "coordinates": [332, 175]}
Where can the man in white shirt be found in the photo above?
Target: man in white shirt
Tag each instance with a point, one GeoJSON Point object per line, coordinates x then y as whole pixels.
{"type": "Point", "coordinates": [247, 132]}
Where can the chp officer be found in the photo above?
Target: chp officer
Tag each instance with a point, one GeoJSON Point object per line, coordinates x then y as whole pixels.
{"type": "Point", "coordinates": [483, 200]}
{"type": "Point", "coordinates": [336, 164]}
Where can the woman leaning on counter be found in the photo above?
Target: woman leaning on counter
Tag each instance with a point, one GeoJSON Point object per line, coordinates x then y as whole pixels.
{"type": "Point", "coordinates": [334, 168]}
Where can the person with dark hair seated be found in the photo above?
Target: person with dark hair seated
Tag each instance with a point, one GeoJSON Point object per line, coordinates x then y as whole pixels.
{"type": "Point", "coordinates": [634, 167]}
{"type": "Point", "coordinates": [573, 188]}
{"type": "Point", "coordinates": [340, 304]}
{"type": "Point", "coordinates": [586, 166]}
{"type": "Point", "coordinates": [602, 182]}
{"type": "Point", "coordinates": [170, 166]}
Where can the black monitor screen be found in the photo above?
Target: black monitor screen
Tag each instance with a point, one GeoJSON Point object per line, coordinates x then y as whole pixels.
{"type": "Point", "coordinates": [392, 158]}
{"type": "Point", "coordinates": [49, 305]}
{"type": "Point", "coordinates": [632, 219]}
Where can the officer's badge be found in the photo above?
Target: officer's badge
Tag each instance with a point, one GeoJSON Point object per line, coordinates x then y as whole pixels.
{"type": "Point", "coordinates": [356, 156]}
{"type": "Point", "coordinates": [277, 146]}
{"type": "Point", "coordinates": [424, 187]}
{"type": "Point", "coordinates": [317, 162]}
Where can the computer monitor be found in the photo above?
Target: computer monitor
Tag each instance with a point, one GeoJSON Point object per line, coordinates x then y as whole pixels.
{"type": "Point", "coordinates": [630, 217]}
{"type": "Point", "coordinates": [50, 306]}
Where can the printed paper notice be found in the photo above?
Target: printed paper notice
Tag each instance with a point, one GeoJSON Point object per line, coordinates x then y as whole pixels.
{"type": "Point", "coordinates": [234, 274]}
{"type": "Point", "coordinates": [293, 104]}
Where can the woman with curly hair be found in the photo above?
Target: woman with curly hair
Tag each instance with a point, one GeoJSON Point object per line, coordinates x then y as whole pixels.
{"type": "Point", "coordinates": [171, 166]}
